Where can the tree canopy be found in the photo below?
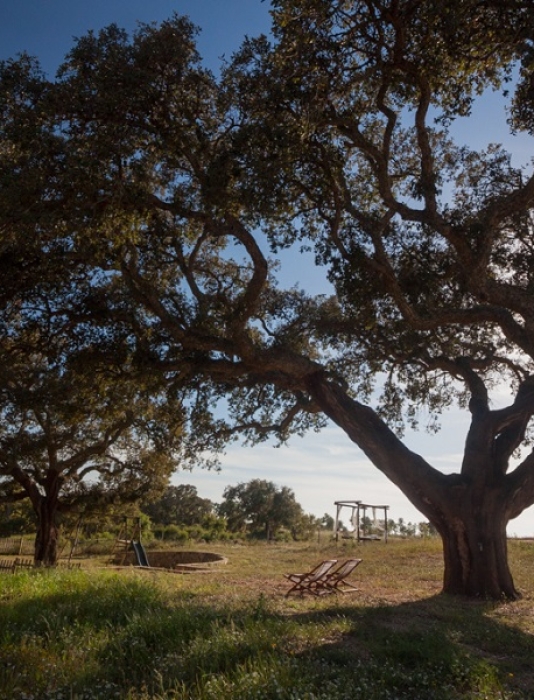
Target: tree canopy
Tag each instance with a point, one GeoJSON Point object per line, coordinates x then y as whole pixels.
{"type": "Point", "coordinates": [170, 190]}
{"type": "Point", "coordinates": [261, 507]}
{"type": "Point", "coordinates": [179, 505]}
{"type": "Point", "coordinates": [81, 428]}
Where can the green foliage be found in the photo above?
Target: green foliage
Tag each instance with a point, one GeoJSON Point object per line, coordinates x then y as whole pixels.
{"type": "Point", "coordinates": [81, 428]}
{"type": "Point", "coordinates": [181, 515]}
{"type": "Point", "coordinates": [356, 90]}
{"type": "Point", "coordinates": [261, 508]}
{"type": "Point", "coordinates": [179, 505]}
{"type": "Point", "coordinates": [209, 531]}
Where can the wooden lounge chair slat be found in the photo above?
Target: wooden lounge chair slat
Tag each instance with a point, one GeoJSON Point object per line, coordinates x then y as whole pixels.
{"type": "Point", "coordinates": [311, 581]}
{"type": "Point", "coordinates": [335, 580]}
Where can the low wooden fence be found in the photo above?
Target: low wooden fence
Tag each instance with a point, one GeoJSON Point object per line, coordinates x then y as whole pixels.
{"type": "Point", "coordinates": [13, 565]}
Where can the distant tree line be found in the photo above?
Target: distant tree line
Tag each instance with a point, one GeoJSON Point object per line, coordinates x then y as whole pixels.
{"type": "Point", "coordinates": [257, 509]}
{"type": "Point", "coordinates": [398, 528]}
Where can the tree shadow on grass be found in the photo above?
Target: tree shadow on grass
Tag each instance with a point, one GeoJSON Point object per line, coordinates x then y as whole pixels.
{"type": "Point", "coordinates": [455, 647]}
{"type": "Point", "coordinates": [119, 634]}
{"type": "Point", "coordinates": [112, 628]}
{"type": "Point", "coordinates": [122, 632]}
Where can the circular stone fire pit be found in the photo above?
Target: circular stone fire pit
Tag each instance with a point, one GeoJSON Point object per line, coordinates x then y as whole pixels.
{"type": "Point", "coordinates": [177, 561]}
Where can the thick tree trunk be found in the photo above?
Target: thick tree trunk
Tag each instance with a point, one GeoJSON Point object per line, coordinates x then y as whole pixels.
{"type": "Point", "coordinates": [475, 549]}
{"type": "Point", "coordinates": [46, 540]}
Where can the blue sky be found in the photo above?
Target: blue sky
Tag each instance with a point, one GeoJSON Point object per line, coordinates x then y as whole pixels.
{"type": "Point", "coordinates": [45, 28]}
{"type": "Point", "coordinates": [319, 468]}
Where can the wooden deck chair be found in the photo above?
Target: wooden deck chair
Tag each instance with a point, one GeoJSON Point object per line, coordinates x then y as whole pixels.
{"type": "Point", "coordinates": [312, 581]}
{"type": "Point", "coordinates": [335, 581]}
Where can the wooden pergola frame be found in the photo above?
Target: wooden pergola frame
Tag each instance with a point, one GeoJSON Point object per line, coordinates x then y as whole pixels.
{"type": "Point", "coordinates": [358, 513]}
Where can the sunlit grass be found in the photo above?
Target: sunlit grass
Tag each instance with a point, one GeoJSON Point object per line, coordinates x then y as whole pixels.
{"type": "Point", "coordinates": [94, 634]}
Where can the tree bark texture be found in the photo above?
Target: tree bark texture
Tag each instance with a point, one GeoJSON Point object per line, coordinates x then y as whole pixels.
{"type": "Point", "coordinates": [46, 508]}
{"type": "Point", "coordinates": [473, 531]}
{"type": "Point", "coordinates": [46, 540]}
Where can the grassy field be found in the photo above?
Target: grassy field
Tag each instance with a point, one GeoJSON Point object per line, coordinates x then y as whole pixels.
{"type": "Point", "coordinates": [231, 633]}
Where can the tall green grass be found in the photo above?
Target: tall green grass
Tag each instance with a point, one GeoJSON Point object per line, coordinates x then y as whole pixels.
{"type": "Point", "coordinates": [94, 634]}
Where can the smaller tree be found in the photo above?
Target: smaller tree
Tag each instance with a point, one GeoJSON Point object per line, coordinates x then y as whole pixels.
{"type": "Point", "coordinates": [327, 522]}
{"type": "Point", "coordinates": [393, 528]}
{"type": "Point", "coordinates": [427, 529]}
{"type": "Point", "coordinates": [179, 505]}
{"type": "Point", "coordinates": [307, 527]}
{"type": "Point", "coordinates": [406, 529]}
{"type": "Point", "coordinates": [81, 427]}
{"type": "Point", "coordinates": [261, 507]}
